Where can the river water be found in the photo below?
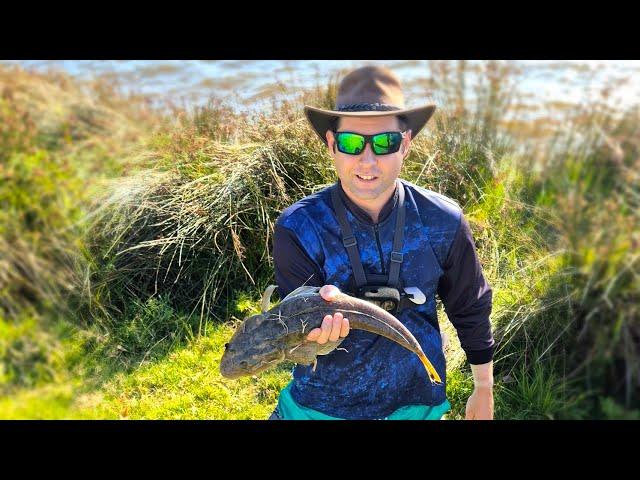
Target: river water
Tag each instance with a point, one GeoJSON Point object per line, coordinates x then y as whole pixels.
{"type": "Point", "coordinates": [249, 85]}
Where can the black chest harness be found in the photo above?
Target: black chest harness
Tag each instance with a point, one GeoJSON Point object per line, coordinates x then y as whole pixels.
{"type": "Point", "coordinates": [383, 290]}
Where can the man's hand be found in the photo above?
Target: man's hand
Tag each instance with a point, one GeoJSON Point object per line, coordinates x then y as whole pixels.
{"type": "Point", "coordinates": [333, 327]}
{"type": "Point", "coordinates": [480, 403]}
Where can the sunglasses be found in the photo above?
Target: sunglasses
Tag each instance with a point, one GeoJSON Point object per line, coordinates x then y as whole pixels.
{"type": "Point", "coordinates": [383, 143]}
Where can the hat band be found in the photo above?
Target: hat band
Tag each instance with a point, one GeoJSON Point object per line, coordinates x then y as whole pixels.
{"type": "Point", "coordinates": [367, 107]}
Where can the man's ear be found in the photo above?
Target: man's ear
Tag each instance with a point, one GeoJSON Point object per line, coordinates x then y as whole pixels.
{"type": "Point", "coordinates": [331, 141]}
{"type": "Point", "coordinates": [406, 144]}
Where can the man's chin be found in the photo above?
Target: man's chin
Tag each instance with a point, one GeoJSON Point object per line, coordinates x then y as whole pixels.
{"type": "Point", "coordinates": [365, 192]}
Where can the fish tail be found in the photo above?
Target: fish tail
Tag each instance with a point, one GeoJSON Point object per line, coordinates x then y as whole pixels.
{"type": "Point", "coordinates": [433, 373]}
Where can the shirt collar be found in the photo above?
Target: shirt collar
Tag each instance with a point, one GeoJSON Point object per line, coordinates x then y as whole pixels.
{"type": "Point", "coordinates": [361, 214]}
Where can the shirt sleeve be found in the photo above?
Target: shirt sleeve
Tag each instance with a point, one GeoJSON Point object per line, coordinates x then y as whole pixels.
{"type": "Point", "coordinates": [293, 266]}
{"type": "Point", "coordinates": [467, 297]}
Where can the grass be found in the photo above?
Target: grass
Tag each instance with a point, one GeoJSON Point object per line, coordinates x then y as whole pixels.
{"type": "Point", "coordinates": [131, 245]}
{"type": "Point", "coordinates": [184, 383]}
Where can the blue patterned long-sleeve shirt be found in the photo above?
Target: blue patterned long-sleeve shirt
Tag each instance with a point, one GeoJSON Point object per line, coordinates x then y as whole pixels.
{"type": "Point", "coordinates": [461, 285]}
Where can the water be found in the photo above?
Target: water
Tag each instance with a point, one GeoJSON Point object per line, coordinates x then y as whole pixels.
{"type": "Point", "coordinates": [249, 85]}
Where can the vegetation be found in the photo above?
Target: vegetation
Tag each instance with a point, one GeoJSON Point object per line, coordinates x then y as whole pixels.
{"type": "Point", "coordinates": [133, 239]}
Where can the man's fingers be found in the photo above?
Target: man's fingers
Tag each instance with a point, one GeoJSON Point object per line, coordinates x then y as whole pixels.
{"type": "Point", "coordinates": [469, 410]}
{"type": "Point", "coordinates": [314, 334]}
{"type": "Point", "coordinates": [336, 327]}
{"type": "Point", "coordinates": [344, 331]}
{"type": "Point", "coordinates": [332, 329]}
{"type": "Point", "coordinates": [327, 325]}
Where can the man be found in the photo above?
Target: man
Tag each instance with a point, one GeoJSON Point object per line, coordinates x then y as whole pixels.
{"type": "Point", "coordinates": [391, 233]}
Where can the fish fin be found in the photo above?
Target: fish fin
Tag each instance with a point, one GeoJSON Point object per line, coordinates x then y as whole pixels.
{"type": "Point", "coordinates": [303, 290]}
{"type": "Point", "coordinates": [266, 297]}
{"type": "Point", "coordinates": [329, 347]}
{"type": "Point", "coordinates": [304, 353]}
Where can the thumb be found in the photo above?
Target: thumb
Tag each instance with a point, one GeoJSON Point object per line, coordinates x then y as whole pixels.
{"type": "Point", "coordinates": [329, 292]}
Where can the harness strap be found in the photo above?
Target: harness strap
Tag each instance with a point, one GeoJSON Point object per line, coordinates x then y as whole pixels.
{"type": "Point", "coordinates": [396, 252]}
{"type": "Point", "coordinates": [348, 239]}
{"type": "Point", "coordinates": [351, 245]}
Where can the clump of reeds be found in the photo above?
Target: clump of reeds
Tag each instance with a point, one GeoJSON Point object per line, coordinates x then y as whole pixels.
{"type": "Point", "coordinates": [57, 137]}
{"type": "Point", "coordinates": [38, 231]}
{"type": "Point", "coordinates": [464, 142]}
{"type": "Point", "coordinates": [556, 227]}
{"type": "Point", "coordinates": [580, 310]}
{"type": "Point", "coordinates": [597, 220]}
{"type": "Point", "coordinates": [200, 227]}
{"type": "Point", "coordinates": [54, 112]}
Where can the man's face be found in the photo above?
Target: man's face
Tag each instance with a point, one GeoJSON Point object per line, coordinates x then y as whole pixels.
{"type": "Point", "coordinates": [384, 168]}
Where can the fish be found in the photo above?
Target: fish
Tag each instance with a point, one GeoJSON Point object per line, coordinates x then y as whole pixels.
{"type": "Point", "coordinates": [264, 340]}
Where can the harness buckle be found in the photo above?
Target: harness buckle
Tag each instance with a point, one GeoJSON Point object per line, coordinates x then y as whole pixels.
{"type": "Point", "coordinates": [397, 257]}
{"type": "Point", "coordinates": [386, 297]}
{"type": "Point", "coordinates": [349, 241]}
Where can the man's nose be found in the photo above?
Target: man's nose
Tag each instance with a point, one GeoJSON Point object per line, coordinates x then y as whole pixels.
{"type": "Point", "coordinates": [367, 155]}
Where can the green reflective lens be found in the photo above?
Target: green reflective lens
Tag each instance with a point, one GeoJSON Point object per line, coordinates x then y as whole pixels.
{"type": "Point", "coordinates": [350, 143]}
{"type": "Point", "coordinates": [385, 143]}
{"type": "Point", "coordinates": [382, 143]}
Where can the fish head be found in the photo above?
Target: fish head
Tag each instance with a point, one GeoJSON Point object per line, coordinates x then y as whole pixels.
{"type": "Point", "coordinates": [252, 348]}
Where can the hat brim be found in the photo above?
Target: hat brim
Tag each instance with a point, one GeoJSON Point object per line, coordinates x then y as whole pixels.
{"type": "Point", "coordinates": [320, 119]}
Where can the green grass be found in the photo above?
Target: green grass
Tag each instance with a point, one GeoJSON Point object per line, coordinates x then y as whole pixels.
{"type": "Point", "coordinates": [187, 385]}
{"type": "Point", "coordinates": [184, 384]}
{"type": "Point", "coordinates": [129, 246]}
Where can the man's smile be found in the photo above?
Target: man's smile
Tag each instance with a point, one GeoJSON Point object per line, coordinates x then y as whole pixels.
{"type": "Point", "coordinates": [366, 178]}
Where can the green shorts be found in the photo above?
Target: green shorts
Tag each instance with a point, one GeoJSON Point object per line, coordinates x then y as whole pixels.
{"type": "Point", "coordinates": [289, 409]}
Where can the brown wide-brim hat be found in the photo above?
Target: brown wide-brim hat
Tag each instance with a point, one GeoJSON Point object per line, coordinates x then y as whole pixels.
{"type": "Point", "coordinates": [369, 92]}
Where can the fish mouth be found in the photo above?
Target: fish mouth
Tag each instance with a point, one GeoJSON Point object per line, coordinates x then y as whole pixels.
{"type": "Point", "coordinates": [231, 374]}
{"type": "Point", "coordinates": [232, 370]}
